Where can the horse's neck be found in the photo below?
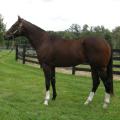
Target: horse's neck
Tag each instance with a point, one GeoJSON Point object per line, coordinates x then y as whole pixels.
{"type": "Point", "coordinates": [35, 35]}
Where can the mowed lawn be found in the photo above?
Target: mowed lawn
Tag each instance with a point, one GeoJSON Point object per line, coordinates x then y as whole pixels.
{"type": "Point", "coordinates": [22, 92]}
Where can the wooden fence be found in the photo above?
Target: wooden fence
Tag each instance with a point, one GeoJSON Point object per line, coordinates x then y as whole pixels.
{"type": "Point", "coordinates": [27, 54]}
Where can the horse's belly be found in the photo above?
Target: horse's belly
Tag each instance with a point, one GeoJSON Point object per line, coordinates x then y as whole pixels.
{"type": "Point", "coordinates": [67, 62]}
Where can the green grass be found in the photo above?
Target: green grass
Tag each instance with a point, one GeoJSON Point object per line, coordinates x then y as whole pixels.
{"type": "Point", "coordinates": [22, 94]}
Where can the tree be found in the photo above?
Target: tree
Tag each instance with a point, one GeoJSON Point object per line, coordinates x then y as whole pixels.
{"type": "Point", "coordinates": [2, 30]}
{"type": "Point", "coordinates": [116, 37]}
{"type": "Point", "coordinates": [85, 28]}
{"type": "Point", "coordinates": [75, 30]}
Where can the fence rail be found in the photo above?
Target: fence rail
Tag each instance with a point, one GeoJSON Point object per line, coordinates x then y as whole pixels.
{"type": "Point", "coordinates": [27, 54]}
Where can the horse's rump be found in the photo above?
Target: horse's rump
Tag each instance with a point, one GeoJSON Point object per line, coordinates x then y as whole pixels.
{"type": "Point", "coordinates": [97, 51]}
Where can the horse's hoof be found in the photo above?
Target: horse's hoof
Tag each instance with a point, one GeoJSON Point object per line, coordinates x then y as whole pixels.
{"type": "Point", "coordinates": [54, 97]}
{"type": "Point", "coordinates": [87, 102]}
{"type": "Point", "coordinates": [46, 103]}
{"type": "Point", "coordinates": [105, 106]}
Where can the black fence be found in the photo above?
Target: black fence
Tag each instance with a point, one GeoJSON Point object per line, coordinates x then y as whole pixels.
{"type": "Point", "coordinates": [27, 54]}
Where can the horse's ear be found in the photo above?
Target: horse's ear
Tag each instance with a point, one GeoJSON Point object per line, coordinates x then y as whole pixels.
{"type": "Point", "coordinates": [19, 18]}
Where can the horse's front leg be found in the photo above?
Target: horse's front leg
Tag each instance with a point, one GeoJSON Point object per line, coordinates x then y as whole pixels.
{"type": "Point", "coordinates": [53, 82]}
{"type": "Point", "coordinates": [47, 73]}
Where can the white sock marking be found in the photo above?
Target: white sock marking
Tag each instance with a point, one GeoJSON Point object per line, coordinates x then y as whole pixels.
{"type": "Point", "coordinates": [47, 97]}
{"type": "Point", "coordinates": [46, 102]}
{"type": "Point", "coordinates": [106, 100]}
{"type": "Point", "coordinates": [90, 98]}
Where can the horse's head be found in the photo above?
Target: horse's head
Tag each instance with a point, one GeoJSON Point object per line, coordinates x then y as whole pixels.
{"type": "Point", "coordinates": [15, 30]}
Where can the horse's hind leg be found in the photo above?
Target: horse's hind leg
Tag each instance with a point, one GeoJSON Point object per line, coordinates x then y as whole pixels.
{"type": "Point", "coordinates": [96, 82]}
{"type": "Point", "coordinates": [106, 82]}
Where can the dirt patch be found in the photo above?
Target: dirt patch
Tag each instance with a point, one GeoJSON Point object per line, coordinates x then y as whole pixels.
{"type": "Point", "coordinates": [81, 73]}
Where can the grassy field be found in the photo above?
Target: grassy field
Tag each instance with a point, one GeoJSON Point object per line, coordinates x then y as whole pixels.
{"type": "Point", "coordinates": [22, 94]}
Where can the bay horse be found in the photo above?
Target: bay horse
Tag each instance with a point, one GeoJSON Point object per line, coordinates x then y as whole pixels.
{"type": "Point", "coordinates": [57, 52]}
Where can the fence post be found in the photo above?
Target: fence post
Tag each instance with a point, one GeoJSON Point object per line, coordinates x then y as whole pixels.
{"type": "Point", "coordinates": [16, 55]}
{"type": "Point", "coordinates": [24, 52]}
{"type": "Point", "coordinates": [73, 70]}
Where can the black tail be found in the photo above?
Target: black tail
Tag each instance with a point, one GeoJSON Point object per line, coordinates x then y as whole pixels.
{"type": "Point", "coordinates": [110, 74]}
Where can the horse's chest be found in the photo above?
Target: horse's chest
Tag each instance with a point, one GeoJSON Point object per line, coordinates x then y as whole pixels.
{"type": "Point", "coordinates": [45, 57]}
{"type": "Point", "coordinates": [44, 53]}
